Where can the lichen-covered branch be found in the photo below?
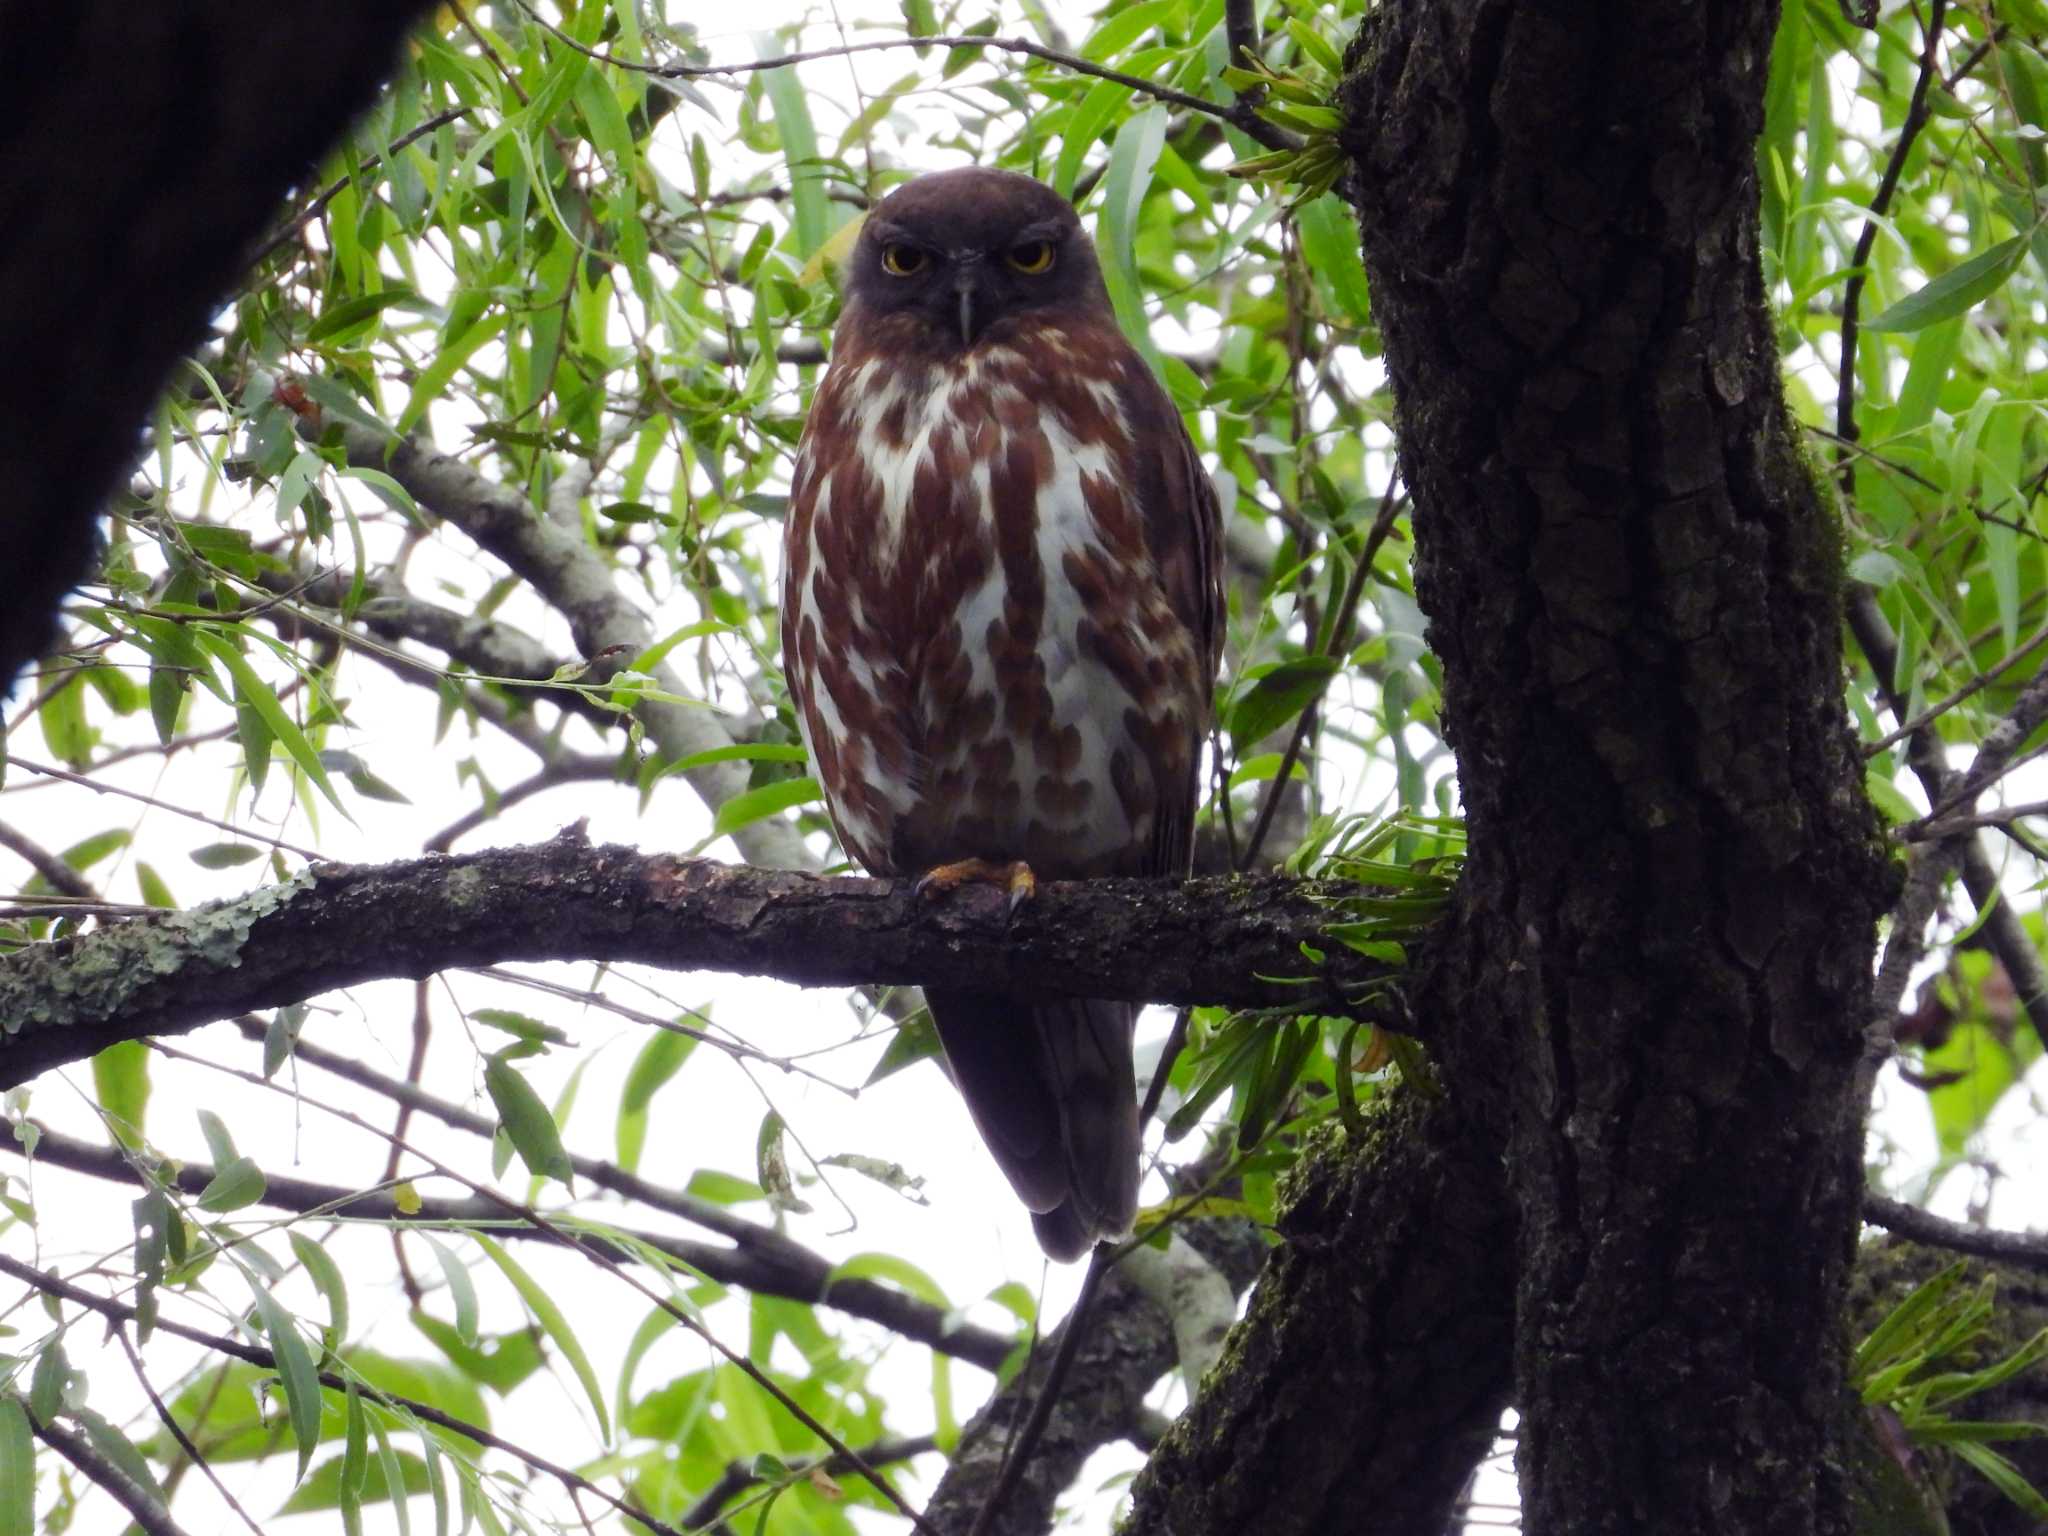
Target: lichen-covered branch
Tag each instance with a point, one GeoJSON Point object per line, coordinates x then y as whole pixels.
{"type": "Point", "coordinates": [1230, 941]}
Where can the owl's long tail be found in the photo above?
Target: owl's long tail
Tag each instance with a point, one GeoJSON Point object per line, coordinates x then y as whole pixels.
{"type": "Point", "coordinates": [1053, 1093]}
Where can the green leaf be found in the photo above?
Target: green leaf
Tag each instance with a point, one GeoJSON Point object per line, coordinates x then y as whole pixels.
{"type": "Point", "coordinates": [1277, 696]}
{"type": "Point", "coordinates": [1956, 291]}
{"type": "Point", "coordinates": [84, 854]}
{"type": "Point", "coordinates": [220, 1144]}
{"type": "Point", "coordinates": [295, 1369]}
{"type": "Point", "coordinates": [154, 892]}
{"type": "Point", "coordinates": [1925, 375]}
{"type": "Point", "coordinates": [1329, 241]}
{"type": "Point", "coordinates": [62, 717]}
{"type": "Point", "coordinates": [237, 1183]}
{"type": "Point", "coordinates": [225, 855]}
{"type": "Point", "coordinates": [659, 1060]}
{"type": "Point", "coordinates": [754, 805]}
{"type": "Point", "coordinates": [1904, 1324]}
{"type": "Point", "coordinates": [120, 1081]}
{"type": "Point", "coordinates": [322, 1488]}
{"type": "Point", "coordinates": [360, 779]}
{"type": "Point", "coordinates": [2004, 1476]}
{"type": "Point", "coordinates": [461, 1291]}
{"type": "Point", "coordinates": [722, 1188]}
{"type": "Point", "coordinates": [434, 379]}
{"type": "Point", "coordinates": [522, 1025]}
{"type": "Point", "coordinates": [1975, 1067]}
{"type": "Point", "coordinates": [786, 97]}
{"type": "Point", "coordinates": [259, 696]}
{"type": "Point", "coordinates": [500, 1361]}
{"type": "Point", "coordinates": [771, 1164]}
{"type": "Point", "coordinates": [1131, 159]}
{"type": "Point", "coordinates": [351, 314]}
{"type": "Point", "coordinates": [17, 1469]}
{"type": "Point", "coordinates": [355, 1463]}
{"type": "Point", "coordinates": [607, 122]}
{"type": "Point", "coordinates": [556, 1326]}
{"type": "Point", "coordinates": [111, 1443]}
{"type": "Point", "coordinates": [326, 1277]}
{"type": "Point", "coordinates": [894, 1271]}
{"type": "Point", "coordinates": [46, 1389]}
{"type": "Point", "coordinates": [1085, 130]}
{"type": "Point", "coordinates": [915, 1040]}
{"type": "Point", "coordinates": [526, 1121]}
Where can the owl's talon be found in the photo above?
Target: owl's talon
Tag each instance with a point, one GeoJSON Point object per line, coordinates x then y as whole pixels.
{"type": "Point", "coordinates": [1016, 878]}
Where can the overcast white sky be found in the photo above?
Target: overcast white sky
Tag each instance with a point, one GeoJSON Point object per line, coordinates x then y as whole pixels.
{"type": "Point", "coordinates": [970, 1235]}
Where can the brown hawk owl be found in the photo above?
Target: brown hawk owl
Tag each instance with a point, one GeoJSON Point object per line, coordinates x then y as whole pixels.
{"type": "Point", "coordinates": [1001, 617]}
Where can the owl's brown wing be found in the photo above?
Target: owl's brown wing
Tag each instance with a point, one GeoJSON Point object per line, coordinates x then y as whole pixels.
{"type": "Point", "coordinates": [1183, 527]}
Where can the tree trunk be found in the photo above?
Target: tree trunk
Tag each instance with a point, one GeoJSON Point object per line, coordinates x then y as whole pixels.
{"type": "Point", "coordinates": [145, 147]}
{"type": "Point", "coordinates": [1658, 973]}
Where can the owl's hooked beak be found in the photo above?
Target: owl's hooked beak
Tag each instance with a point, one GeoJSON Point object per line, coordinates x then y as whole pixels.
{"type": "Point", "coordinates": [967, 282]}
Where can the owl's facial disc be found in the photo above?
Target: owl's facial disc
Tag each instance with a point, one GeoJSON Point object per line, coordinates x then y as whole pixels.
{"type": "Point", "coordinates": [965, 269]}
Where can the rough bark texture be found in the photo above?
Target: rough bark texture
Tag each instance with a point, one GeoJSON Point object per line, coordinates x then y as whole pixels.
{"type": "Point", "coordinates": [334, 925]}
{"type": "Point", "coordinates": [1370, 1372]}
{"type": "Point", "coordinates": [1659, 964]}
{"type": "Point", "coordinates": [145, 147]}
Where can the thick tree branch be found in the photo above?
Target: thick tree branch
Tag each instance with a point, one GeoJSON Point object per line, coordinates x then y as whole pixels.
{"type": "Point", "coordinates": [1235, 942]}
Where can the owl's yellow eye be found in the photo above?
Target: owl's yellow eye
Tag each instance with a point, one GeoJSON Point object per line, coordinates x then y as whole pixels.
{"type": "Point", "coordinates": [902, 260]}
{"type": "Point", "coordinates": [1030, 258]}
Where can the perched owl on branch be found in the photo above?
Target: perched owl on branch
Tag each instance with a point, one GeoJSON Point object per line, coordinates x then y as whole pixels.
{"type": "Point", "coordinates": [1002, 612]}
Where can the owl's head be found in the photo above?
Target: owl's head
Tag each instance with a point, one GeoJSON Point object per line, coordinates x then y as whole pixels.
{"type": "Point", "coordinates": [964, 250]}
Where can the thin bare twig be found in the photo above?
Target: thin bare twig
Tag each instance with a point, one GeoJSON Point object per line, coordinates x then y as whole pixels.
{"type": "Point", "coordinates": [1976, 685]}
{"type": "Point", "coordinates": [1852, 290]}
{"type": "Point", "coordinates": [328, 194]}
{"type": "Point", "coordinates": [1903, 1220]}
{"type": "Point", "coordinates": [163, 805]}
{"type": "Point", "coordinates": [177, 1431]}
{"type": "Point", "coordinates": [1931, 829]}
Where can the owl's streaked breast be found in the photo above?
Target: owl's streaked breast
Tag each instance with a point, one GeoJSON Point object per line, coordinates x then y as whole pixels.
{"type": "Point", "coordinates": [984, 660]}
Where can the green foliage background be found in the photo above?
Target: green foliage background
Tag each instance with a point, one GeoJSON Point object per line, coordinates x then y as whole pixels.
{"type": "Point", "coordinates": [586, 251]}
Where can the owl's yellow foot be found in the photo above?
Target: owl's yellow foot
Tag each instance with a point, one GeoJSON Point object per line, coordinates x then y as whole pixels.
{"type": "Point", "coordinates": [1016, 878]}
